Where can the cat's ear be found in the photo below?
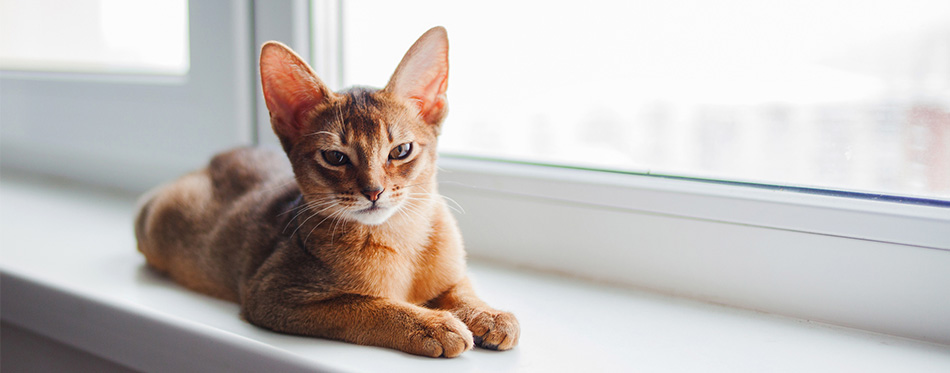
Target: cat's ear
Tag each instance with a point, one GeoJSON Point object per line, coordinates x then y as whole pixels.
{"type": "Point", "coordinates": [423, 75]}
{"type": "Point", "coordinates": [292, 90]}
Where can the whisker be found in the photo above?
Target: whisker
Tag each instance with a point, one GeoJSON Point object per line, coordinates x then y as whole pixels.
{"type": "Point", "coordinates": [321, 223]}
{"type": "Point", "coordinates": [336, 221]}
{"type": "Point", "coordinates": [322, 132]}
{"type": "Point", "coordinates": [281, 185]}
{"type": "Point", "coordinates": [456, 183]}
{"type": "Point", "coordinates": [414, 208]}
{"type": "Point", "coordinates": [460, 210]}
{"type": "Point", "coordinates": [415, 185]}
{"type": "Point", "coordinates": [402, 211]}
{"type": "Point", "coordinates": [305, 208]}
{"type": "Point", "coordinates": [308, 219]}
{"type": "Point", "coordinates": [457, 206]}
{"type": "Point", "coordinates": [338, 211]}
{"type": "Point", "coordinates": [307, 204]}
{"type": "Point", "coordinates": [339, 116]}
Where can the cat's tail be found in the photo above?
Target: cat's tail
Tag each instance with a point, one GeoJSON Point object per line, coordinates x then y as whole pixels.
{"type": "Point", "coordinates": [143, 208]}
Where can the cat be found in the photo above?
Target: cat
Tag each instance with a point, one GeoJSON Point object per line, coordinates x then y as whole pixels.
{"type": "Point", "coordinates": [350, 240]}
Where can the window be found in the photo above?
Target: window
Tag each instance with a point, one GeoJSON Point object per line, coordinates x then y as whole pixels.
{"type": "Point", "coordinates": [818, 94]}
{"type": "Point", "coordinates": [680, 89]}
{"type": "Point", "coordinates": [109, 112]}
{"type": "Point", "coordinates": [105, 36]}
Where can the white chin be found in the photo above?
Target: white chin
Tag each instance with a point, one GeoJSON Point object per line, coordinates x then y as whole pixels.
{"type": "Point", "coordinates": [375, 217]}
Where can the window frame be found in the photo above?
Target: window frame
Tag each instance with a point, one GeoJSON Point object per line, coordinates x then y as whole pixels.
{"type": "Point", "coordinates": [206, 108]}
{"type": "Point", "coordinates": [872, 265]}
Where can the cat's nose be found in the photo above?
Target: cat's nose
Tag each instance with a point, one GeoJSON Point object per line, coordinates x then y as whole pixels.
{"type": "Point", "coordinates": [373, 193]}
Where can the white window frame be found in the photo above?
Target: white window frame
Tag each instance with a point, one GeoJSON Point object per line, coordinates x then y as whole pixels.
{"type": "Point", "coordinates": [879, 266]}
{"type": "Point", "coordinates": [875, 265]}
{"type": "Point", "coordinates": [183, 120]}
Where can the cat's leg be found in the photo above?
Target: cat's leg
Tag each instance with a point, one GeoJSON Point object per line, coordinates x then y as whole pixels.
{"type": "Point", "coordinates": [491, 328]}
{"type": "Point", "coordinates": [364, 320]}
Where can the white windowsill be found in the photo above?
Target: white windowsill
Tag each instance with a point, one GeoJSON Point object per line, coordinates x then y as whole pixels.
{"type": "Point", "coordinates": [71, 273]}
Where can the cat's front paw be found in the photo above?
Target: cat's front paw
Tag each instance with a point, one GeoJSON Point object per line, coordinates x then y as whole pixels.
{"type": "Point", "coordinates": [440, 334]}
{"type": "Point", "coordinates": [495, 330]}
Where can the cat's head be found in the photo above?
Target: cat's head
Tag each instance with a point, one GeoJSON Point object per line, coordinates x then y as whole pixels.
{"type": "Point", "coordinates": [361, 154]}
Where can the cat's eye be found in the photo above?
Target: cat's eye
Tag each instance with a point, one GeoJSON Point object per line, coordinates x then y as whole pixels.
{"type": "Point", "coordinates": [335, 158]}
{"type": "Point", "coordinates": [401, 152]}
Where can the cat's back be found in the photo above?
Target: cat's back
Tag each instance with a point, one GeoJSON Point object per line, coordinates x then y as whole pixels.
{"type": "Point", "coordinates": [198, 198]}
{"type": "Point", "coordinates": [236, 172]}
{"type": "Point", "coordinates": [178, 223]}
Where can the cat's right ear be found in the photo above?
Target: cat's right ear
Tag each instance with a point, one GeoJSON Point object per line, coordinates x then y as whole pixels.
{"type": "Point", "coordinates": [422, 75]}
{"type": "Point", "coordinates": [292, 91]}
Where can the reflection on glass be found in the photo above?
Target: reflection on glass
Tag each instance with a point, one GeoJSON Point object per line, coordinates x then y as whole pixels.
{"type": "Point", "coordinates": [816, 93]}
{"type": "Point", "coordinates": [103, 36]}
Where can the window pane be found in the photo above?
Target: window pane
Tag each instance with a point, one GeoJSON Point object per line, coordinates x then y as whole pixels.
{"type": "Point", "coordinates": [110, 36]}
{"type": "Point", "coordinates": [850, 95]}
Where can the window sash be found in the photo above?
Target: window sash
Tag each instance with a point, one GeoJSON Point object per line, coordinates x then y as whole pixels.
{"type": "Point", "coordinates": [136, 131]}
{"type": "Point", "coordinates": [878, 266]}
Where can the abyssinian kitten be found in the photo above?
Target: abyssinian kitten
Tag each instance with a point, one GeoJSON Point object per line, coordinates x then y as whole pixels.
{"type": "Point", "coordinates": [351, 240]}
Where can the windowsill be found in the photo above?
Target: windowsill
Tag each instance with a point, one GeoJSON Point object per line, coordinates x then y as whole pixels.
{"type": "Point", "coordinates": [72, 273]}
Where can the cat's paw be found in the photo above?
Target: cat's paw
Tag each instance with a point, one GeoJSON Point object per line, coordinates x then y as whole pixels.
{"type": "Point", "coordinates": [440, 334]}
{"type": "Point", "coordinates": [495, 330]}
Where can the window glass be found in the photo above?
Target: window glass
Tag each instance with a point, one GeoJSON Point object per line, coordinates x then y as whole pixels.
{"type": "Point", "coordinates": [111, 36]}
{"type": "Point", "coordinates": [839, 94]}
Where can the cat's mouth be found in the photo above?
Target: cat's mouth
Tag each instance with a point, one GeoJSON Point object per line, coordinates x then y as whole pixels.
{"type": "Point", "coordinates": [373, 215]}
{"type": "Point", "coordinates": [370, 210]}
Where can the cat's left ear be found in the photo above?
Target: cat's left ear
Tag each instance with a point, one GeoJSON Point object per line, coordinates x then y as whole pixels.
{"type": "Point", "coordinates": [423, 75]}
{"type": "Point", "coordinates": [292, 91]}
